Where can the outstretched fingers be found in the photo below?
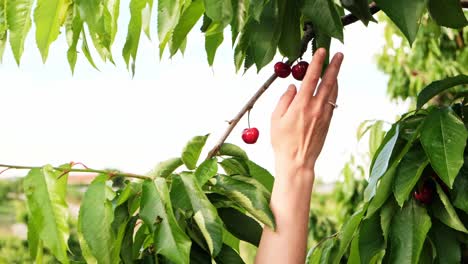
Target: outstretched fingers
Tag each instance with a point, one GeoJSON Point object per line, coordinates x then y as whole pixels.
{"type": "Point", "coordinates": [309, 84]}
{"type": "Point", "coordinates": [328, 88]}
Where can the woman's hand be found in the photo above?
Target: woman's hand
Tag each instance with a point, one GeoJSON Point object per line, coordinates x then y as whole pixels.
{"type": "Point", "coordinates": [298, 129]}
{"type": "Point", "coordinates": [301, 119]}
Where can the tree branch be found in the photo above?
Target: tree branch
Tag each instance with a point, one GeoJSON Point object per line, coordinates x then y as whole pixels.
{"type": "Point", "coordinates": [65, 170]}
{"type": "Point", "coordinates": [308, 36]}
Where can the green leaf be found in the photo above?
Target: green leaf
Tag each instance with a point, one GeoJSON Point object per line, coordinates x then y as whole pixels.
{"type": "Point", "coordinates": [73, 26]}
{"type": "Point", "coordinates": [227, 255]}
{"type": "Point", "coordinates": [166, 168]}
{"type": "Point", "coordinates": [212, 42]}
{"type": "Point", "coordinates": [34, 243]}
{"type": "Point", "coordinates": [241, 225]}
{"type": "Point", "coordinates": [359, 8]}
{"type": "Point", "coordinates": [240, 10]}
{"type": "Point", "coordinates": [134, 32]}
{"type": "Point", "coordinates": [126, 250]}
{"type": "Point", "coordinates": [447, 13]}
{"type": "Point", "coordinates": [219, 10]}
{"type": "Point", "coordinates": [386, 215]}
{"type": "Point", "coordinates": [407, 175]}
{"type": "Point", "coordinates": [444, 211]}
{"type": "Point", "coordinates": [289, 43]}
{"type": "Point", "coordinates": [347, 233]}
{"type": "Point", "coordinates": [205, 214]}
{"type": "Point", "coordinates": [261, 174]}
{"type": "Point", "coordinates": [371, 240]}
{"type": "Point", "coordinates": [111, 16]}
{"type": "Point", "coordinates": [168, 17]}
{"type": "Point", "coordinates": [407, 233]}
{"type": "Point", "coordinates": [179, 196]}
{"type": "Point", "coordinates": [234, 166]}
{"type": "Point", "coordinates": [446, 243]}
{"type": "Point", "coordinates": [3, 27]}
{"type": "Point", "coordinates": [354, 251]}
{"type": "Point", "coordinates": [156, 211]}
{"type": "Point", "coordinates": [322, 40]}
{"type": "Point", "coordinates": [192, 151]}
{"type": "Point", "coordinates": [263, 40]}
{"type": "Point", "coordinates": [95, 222]}
{"type": "Point", "coordinates": [48, 17]}
{"type": "Point", "coordinates": [324, 16]}
{"type": "Point", "coordinates": [438, 87]}
{"type": "Point", "coordinates": [46, 199]}
{"type": "Point", "coordinates": [19, 22]}
{"type": "Point", "coordinates": [248, 193]}
{"type": "Point", "coordinates": [228, 149]}
{"type": "Point", "coordinates": [381, 160]}
{"type": "Point", "coordinates": [256, 8]}
{"type": "Point", "coordinates": [444, 138]}
{"type": "Point", "coordinates": [240, 51]}
{"type": "Point", "coordinates": [405, 14]}
{"type": "Point", "coordinates": [121, 218]}
{"type": "Point", "coordinates": [85, 49]}
{"type": "Point", "coordinates": [187, 21]}
{"type": "Point", "coordinates": [206, 171]}
{"type": "Point", "coordinates": [198, 255]}
{"type": "Point", "coordinates": [459, 194]}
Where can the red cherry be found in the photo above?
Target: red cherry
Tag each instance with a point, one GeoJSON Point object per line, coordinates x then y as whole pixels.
{"type": "Point", "coordinates": [299, 70]}
{"type": "Point", "coordinates": [282, 69]}
{"type": "Point", "coordinates": [250, 135]}
{"type": "Point", "coordinates": [425, 193]}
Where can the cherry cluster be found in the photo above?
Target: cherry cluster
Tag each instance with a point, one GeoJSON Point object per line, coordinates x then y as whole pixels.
{"type": "Point", "coordinates": [298, 71]}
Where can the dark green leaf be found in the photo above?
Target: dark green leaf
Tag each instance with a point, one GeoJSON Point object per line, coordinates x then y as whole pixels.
{"type": "Point", "coordinates": [359, 8]}
{"type": "Point", "coordinates": [228, 149]}
{"type": "Point", "coordinates": [444, 211]}
{"type": "Point", "coordinates": [46, 200]}
{"type": "Point", "coordinates": [405, 14]}
{"type": "Point", "coordinates": [446, 243]}
{"type": "Point", "coordinates": [371, 240]}
{"type": "Point", "coordinates": [444, 138]}
{"type": "Point", "coordinates": [459, 194]}
{"type": "Point", "coordinates": [192, 151]}
{"type": "Point", "coordinates": [156, 210]}
{"type": "Point", "coordinates": [381, 160]}
{"type": "Point", "coordinates": [322, 40]}
{"type": "Point", "coordinates": [407, 175]}
{"type": "Point", "coordinates": [165, 168]}
{"type": "Point", "coordinates": [206, 171]}
{"type": "Point", "coordinates": [141, 234]}
{"type": "Point", "coordinates": [261, 174]}
{"type": "Point", "coordinates": [289, 43]}
{"type": "Point", "coordinates": [227, 255]}
{"type": "Point", "coordinates": [386, 215]}
{"type": "Point", "coordinates": [263, 40]}
{"type": "Point", "coordinates": [219, 10]}
{"type": "Point", "coordinates": [438, 87]}
{"type": "Point", "coordinates": [198, 255]}
{"type": "Point", "coordinates": [187, 21]}
{"type": "Point", "coordinates": [168, 17]}
{"type": "Point", "coordinates": [205, 214]}
{"type": "Point", "coordinates": [179, 196]}
{"type": "Point", "coordinates": [241, 225]}
{"type": "Point", "coordinates": [234, 166]}
{"type": "Point", "coordinates": [249, 193]}
{"type": "Point", "coordinates": [126, 250]}
{"type": "Point", "coordinates": [18, 14]}
{"type": "Point", "coordinates": [95, 222]}
{"type": "Point", "coordinates": [447, 13]}
{"type": "Point", "coordinates": [324, 16]}
{"type": "Point", "coordinates": [354, 251]}
{"type": "Point", "coordinates": [256, 8]}
{"type": "Point", "coordinates": [407, 233]}
{"type": "Point", "coordinates": [239, 19]}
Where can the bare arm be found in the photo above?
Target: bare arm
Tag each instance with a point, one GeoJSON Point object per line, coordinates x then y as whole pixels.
{"type": "Point", "coordinates": [299, 126]}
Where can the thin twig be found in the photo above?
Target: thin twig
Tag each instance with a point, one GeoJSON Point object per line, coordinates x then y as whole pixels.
{"type": "Point", "coordinates": [308, 36]}
{"type": "Point", "coordinates": [110, 173]}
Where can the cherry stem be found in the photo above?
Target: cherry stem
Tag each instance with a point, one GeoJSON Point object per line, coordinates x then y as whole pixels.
{"type": "Point", "coordinates": [309, 34]}
{"type": "Point", "coordinates": [248, 118]}
{"type": "Point", "coordinates": [67, 170]}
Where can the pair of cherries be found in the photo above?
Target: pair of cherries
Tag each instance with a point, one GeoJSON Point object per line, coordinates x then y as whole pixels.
{"type": "Point", "coordinates": [250, 135]}
{"type": "Point", "coordinates": [298, 71]}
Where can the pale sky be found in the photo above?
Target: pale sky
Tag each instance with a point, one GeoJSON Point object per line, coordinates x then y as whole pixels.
{"type": "Point", "coordinates": [106, 119]}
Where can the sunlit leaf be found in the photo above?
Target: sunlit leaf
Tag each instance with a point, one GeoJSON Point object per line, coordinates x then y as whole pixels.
{"type": "Point", "coordinates": [206, 171]}
{"type": "Point", "coordinates": [3, 27]}
{"type": "Point", "coordinates": [228, 149]}
{"type": "Point", "coordinates": [165, 168]}
{"type": "Point", "coordinates": [46, 198]}
{"type": "Point", "coordinates": [219, 10]}
{"type": "Point", "coordinates": [134, 32]}
{"type": "Point", "coordinates": [192, 151]}
{"type": "Point", "coordinates": [187, 21]}
{"type": "Point", "coordinates": [169, 12]}
{"type": "Point", "coordinates": [19, 23]}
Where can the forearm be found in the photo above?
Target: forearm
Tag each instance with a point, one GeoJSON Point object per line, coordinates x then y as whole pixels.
{"type": "Point", "coordinates": [290, 203]}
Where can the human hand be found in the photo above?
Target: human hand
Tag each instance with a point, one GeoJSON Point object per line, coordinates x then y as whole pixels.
{"type": "Point", "coordinates": [301, 119]}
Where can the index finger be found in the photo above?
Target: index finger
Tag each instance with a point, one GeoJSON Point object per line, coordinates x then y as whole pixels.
{"type": "Point", "coordinates": [312, 76]}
